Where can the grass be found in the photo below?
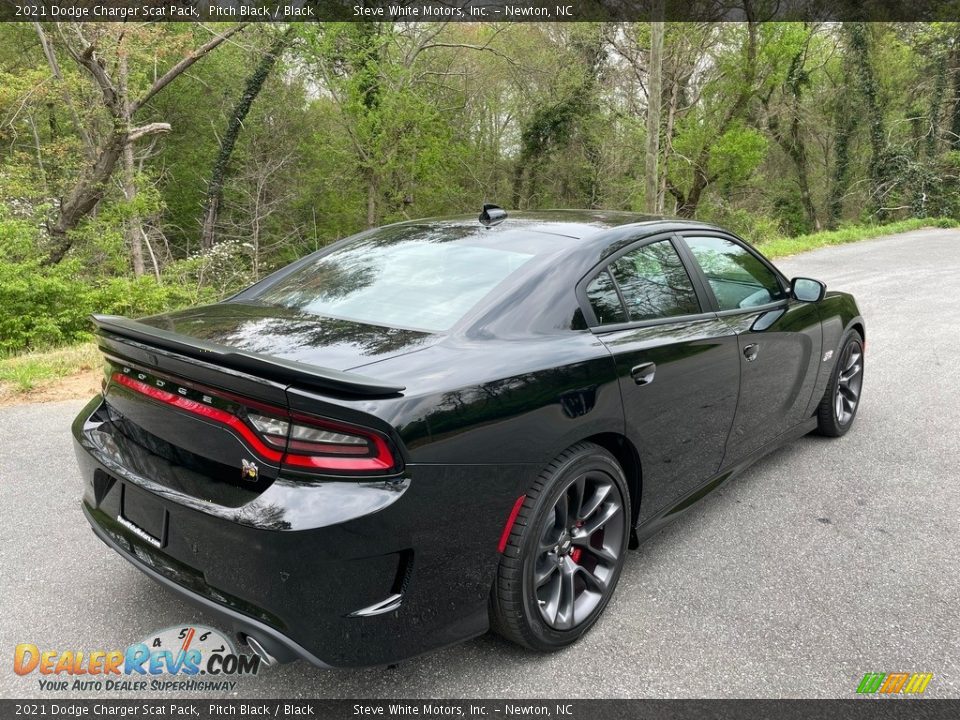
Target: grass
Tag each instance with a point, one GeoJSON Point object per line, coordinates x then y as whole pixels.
{"type": "Point", "coordinates": [781, 247]}
{"type": "Point", "coordinates": [22, 373]}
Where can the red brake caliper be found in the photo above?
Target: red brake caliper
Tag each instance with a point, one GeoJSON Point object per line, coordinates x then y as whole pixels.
{"type": "Point", "coordinates": [577, 551]}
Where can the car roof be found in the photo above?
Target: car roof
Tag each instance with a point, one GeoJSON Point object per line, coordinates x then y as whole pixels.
{"type": "Point", "coordinates": [568, 223]}
{"type": "Point", "coordinates": [568, 244]}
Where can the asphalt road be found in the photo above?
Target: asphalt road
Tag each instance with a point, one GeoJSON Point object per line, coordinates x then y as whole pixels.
{"type": "Point", "coordinates": [826, 560]}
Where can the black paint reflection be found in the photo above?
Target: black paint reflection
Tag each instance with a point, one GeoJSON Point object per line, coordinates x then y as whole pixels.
{"type": "Point", "coordinates": [654, 283]}
{"type": "Point", "coordinates": [324, 341]}
{"type": "Point", "coordinates": [681, 420]}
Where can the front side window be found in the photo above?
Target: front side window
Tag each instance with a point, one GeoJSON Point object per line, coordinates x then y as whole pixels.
{"type": "Point", "coordinates": [737, 277]}
{"type": "Point", "coordinates": [654, 283]}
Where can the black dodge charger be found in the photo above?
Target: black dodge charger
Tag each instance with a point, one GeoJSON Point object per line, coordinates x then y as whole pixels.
{"type": "Point", "coordinates": [441, 426]}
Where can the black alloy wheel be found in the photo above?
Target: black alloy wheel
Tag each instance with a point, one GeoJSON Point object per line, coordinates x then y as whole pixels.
{"type": "Point", "coordinates": [841, 400]}
{"type": "Point", "coordinates": [565, 552]}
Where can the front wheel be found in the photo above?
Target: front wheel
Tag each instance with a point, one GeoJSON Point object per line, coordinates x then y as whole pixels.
{"type": "Point", "coordinates": [565, 551]}
{"type": "Point", "coordinates": [840, 402]}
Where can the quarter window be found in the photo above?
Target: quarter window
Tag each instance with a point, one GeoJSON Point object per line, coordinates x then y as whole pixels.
{"type": "Point", "coordinates": [654, 283]}
{"type": "Point", "coordinates": [605, 301]}
{"type": "Point", "coordinates": [738, 278]}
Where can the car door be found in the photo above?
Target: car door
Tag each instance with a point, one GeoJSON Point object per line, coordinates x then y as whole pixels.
{"type": "Point", "coordinates": [678, 365]}
{"type": "Point", "coordinates": [778, 337]}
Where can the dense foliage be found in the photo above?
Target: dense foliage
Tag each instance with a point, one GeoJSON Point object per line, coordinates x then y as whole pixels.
{"type": "Point", "coordinates": [147, 167]}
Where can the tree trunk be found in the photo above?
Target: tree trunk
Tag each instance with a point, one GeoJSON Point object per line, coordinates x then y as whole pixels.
{"type": "Point", "coordinates": [664, 169]}
{"type": "Point", "coordinates": [803, 179]}
{"type": "Point", "coordinates": [793, 142]}
{"type": "Point", "coordinates": [955, 118]}
{"type": "Point", "coordinates": [936, 102]}
{"type": "Point", "coordinates": [371, 202]}
{"type": "Point", "coordinates": [651, 192]}
{"type": "Point", "coordinates": [215, 187]}
{"type": "Point", "coordinates": [94, 180]}
{"type": "Point", "coordinates": [846, 124]}
{"type": "Point", "coordinates": [593, 187]}
{"type": "Point", "coordinates": [210, 213]}
{"type": "Point", "coordinates": [85, 195]}
{"type": "Point", "coordinates": [132, 227]}
{"type": "Point", "coordinates": [517, 184]}
{"type": "Point", "coordinates": [860, 44]}
{"type": "Point", "coordinates": [687, 203]}
{"type": "Point", "coordinates": [51, 57]}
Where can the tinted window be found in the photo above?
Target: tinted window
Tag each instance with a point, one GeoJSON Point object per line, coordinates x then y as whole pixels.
{"type": "Point", "coordinates": [413, 278]}
{"type": "Point", "coordinates": [654, 283]}
{"type": "Point", "coordinates": [738, 278]}
{"type": "Point", "coordinates": [604, 300]}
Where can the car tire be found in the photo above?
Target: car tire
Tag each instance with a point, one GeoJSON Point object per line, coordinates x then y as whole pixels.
{"type": "Point", "coordinates": [841, 399]}
{"type": "Point", "coordinates": [565, 551]}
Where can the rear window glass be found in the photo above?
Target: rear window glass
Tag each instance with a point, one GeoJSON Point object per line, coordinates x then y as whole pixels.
{"type": "Point", "coordinates": [417, 280]}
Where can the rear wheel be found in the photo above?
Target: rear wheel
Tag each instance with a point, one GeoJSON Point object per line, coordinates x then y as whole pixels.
{"type": "Point", "coordinates": [840, 402]}
{"type": "Point", "coordinates": [565, 551]}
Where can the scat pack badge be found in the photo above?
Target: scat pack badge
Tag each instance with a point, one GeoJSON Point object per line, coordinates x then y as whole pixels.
{"type": "Point", "coordinates": [186, 652]}
{"type": "Point", "coordinates": [249, 471]}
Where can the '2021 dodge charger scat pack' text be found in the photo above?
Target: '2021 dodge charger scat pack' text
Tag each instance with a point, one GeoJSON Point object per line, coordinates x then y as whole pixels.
{"type": "Point", "coordinates": [441, 426]}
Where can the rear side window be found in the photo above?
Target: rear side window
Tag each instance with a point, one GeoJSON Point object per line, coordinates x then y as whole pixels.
{"type": "Point", "coordinates": [738, 278]}
{"type": "Point", "coordinates": [654, 283]}
{"type": "Point", "coordinates": [605, 301]}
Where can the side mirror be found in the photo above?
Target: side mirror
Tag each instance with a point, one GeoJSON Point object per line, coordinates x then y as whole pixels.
{"type": "Point", "coordinates": [807, 289]}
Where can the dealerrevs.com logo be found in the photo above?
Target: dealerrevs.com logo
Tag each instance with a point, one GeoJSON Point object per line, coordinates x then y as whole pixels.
{"type": "Point", "coordinates": [894, 683]}
{"type": "Point", "coordinates": [174, 659]}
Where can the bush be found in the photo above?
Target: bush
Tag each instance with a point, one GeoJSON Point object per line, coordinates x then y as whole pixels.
{"type": "Point", "coordinates": [752, 227]}
{"type": "Point", "coordinates": [38, 308]}
{"type": "Point", "coordinates": [210, 274]}
{"type": "Point", "coordinates": [48, 306]}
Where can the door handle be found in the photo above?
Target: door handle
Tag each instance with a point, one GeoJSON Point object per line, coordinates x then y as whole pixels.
{"type": "Point", "coordinates": [643, 373]}
{"type": "Point", "coordinates": [750, 352]}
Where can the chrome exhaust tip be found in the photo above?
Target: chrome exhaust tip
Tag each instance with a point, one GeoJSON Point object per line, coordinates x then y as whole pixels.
{"type": "Point", "coordinates": [260, 651]}
{"type": "Point", "coordinates": [384, 606]}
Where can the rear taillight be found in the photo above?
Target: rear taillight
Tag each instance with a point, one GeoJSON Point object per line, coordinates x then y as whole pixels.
{"type": "Point", "coordinates": [323, 444]}
{"type": "Point", "coordinates": [273, 430]}
{"type": "Point", "coordinates": [299, 441]}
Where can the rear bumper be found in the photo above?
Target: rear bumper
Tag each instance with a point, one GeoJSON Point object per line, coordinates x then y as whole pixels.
{"type": "Point", "coordinates": [295, 567]}
{"type": "Point", "coordinates": [277, 644]}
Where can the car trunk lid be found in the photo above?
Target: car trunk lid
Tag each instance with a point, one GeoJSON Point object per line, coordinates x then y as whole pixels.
{"type": "Point", "coordinates": [286, 334]}
{"type": "Point", "coordinates": [211, 421]}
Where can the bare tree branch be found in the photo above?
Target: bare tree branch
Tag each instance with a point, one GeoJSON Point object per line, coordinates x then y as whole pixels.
{"type": "Point", "coordinates": [148, 129]}
{"type": "Point", "coordinates": [466, 46]}
{"type": "Point", "coordinates": [51, 56]}
{"type": "Point", "coordinates": [184, 64]}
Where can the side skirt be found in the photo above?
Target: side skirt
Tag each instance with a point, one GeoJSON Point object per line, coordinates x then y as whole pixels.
{"type": "Point", "coordinates": [671, 513]}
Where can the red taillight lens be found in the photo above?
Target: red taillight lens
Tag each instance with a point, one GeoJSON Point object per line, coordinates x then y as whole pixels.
{"type": "Point", "coordinates": [326, 442]}
{"type": "Point", "coordinates": [300, 441]}
{"type": "Point", "coordinates": [317, 443]}
{"type": "Point", "coordinates": [322, 444]}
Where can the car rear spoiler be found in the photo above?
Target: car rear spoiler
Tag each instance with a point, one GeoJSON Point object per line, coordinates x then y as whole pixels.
{"type": "Point", "coordinates": [256, 363]}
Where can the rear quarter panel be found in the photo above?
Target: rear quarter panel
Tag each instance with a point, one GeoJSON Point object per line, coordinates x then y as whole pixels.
{"type": "Point", "coordinates": [507, 402]}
